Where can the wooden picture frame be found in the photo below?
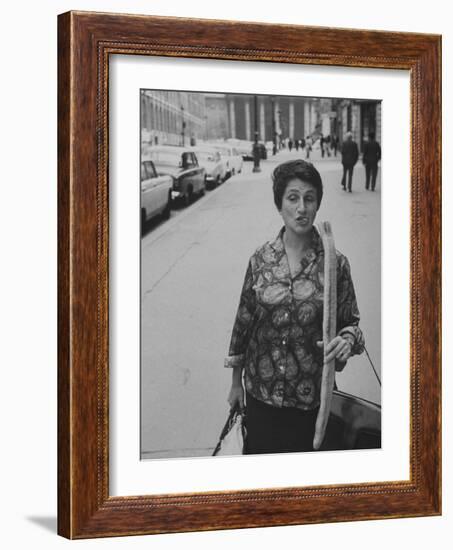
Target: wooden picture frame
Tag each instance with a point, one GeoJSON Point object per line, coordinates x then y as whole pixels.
{"type": "Point", "coordinates": [85, 41]}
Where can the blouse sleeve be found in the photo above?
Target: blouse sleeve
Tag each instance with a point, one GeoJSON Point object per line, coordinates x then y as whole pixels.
{"type": "Point", "coordinates": [348, 315]}
{"type": "Point", "coordinates": [242, 325]}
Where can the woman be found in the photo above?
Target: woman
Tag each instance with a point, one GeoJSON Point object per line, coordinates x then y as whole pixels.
{"type": "Point", "coordinates": [276, 344]}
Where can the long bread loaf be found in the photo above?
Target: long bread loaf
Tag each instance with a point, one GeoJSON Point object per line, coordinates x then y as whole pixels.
{"type": "Point", "coordinates": [329, 329]}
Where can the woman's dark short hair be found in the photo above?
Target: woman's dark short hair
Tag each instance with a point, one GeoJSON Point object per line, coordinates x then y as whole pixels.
{"type": "Point", "coordinates": [295, 169]}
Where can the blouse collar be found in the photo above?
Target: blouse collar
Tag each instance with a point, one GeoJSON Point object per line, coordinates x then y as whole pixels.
{"type": "Point", "coordinates": [315, 248]}
{"type": "Point", "coordinates": [312, 253]}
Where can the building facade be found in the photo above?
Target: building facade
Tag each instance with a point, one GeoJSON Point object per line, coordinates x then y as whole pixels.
{"type": "Point", "coordinates": [183, 118]}
{"type": "Point", "coordinates": [172, 118]}
{"type": "Point", "coordinates": [239, 116]}
{"type": "Point", "coordinates": [359, 116]}
{"type": "Point", "coordinates": [217, 117]}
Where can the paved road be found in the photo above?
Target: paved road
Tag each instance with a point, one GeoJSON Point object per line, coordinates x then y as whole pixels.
{"type": "Point", "coordinates": [192, 271]}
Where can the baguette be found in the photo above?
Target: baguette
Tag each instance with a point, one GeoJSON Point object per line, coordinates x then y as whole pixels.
{"type": "Point", "coordinates": [329, 328]}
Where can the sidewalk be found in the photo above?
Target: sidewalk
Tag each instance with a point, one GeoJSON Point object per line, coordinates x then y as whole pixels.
{"type": "Point", "coordinates": [192, 272]}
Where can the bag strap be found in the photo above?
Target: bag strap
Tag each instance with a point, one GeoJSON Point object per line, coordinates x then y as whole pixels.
{"type": "Point", "coordinates": [232, 416]}
{"type": "Point", "coordinates": [373, 367]}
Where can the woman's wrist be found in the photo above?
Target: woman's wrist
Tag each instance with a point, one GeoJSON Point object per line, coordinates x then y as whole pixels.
{"type": "Point", "coordinates": [237, 382]}
{"type": "Point", "coordinates": [237, 375]}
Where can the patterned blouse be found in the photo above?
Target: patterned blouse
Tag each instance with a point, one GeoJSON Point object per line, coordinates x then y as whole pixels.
{"type": "Point", "coordinates": [279, 322]}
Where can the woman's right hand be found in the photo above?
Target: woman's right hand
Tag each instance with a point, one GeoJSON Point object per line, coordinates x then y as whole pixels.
{"type": "Point", "coordinates": [236, 397]}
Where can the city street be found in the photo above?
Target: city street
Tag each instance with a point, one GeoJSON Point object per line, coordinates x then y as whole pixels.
{"type": "Point", "coordinates": [192, 272]}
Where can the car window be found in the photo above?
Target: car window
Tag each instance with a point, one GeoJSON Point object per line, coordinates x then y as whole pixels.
{"type": "Point", "coordinates": [148, 170]}
{"type": "Point", "coordinates": [189, 160]}
{"type": "Point", "coordinates": [206, 156]}
{"type": "Point", "coordinates": [166, 158]}
{"type": "Point", "coordinates": [185, 160]}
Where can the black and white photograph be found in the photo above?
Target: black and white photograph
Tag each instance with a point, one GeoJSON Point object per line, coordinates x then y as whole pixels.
{"type": "Point", "coordinates": [260, 221]}
{"type": "Point", "coordinates": [188, 190]}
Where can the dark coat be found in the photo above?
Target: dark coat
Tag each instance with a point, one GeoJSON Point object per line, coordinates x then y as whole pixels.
{"type": "Point", "coordinates": [349, 153]}
{"type": "Point", "coordinates": [371, 152]}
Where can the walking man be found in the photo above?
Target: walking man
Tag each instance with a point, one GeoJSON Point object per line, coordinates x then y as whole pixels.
{"type": "Point", "coordinates": [349, 157]}
{"type": "Point", "coordinates": [328, 144]}
{"type": "Point", "coordinates": [308, 146]}
{"type": "Point", "coordinates": [334, 144]}
{"type": "Point", "coordinates": [371, 157]}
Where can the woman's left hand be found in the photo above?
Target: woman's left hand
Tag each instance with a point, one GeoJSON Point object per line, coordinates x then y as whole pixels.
{"type": "Point", "coordinates": [339, 348]}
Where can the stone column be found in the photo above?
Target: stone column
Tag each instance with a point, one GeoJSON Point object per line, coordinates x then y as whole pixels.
{"type": "Point", "coordinates": [306, 117]}
{"type": "Point", "coordinates": [262, 122]}
{"type": "Point", "coordinates": [344, 128]}
{"type": "Point", "coordinates": [312, 117]}
{"type": "Point", "coordinates": [247, 119]}
{"type": "Point", "coordinates": [291, 119]}
{"type": "Point", "coordinates": [277, 117]}
{"type": "Point", "coordinates": [356, 126]}
{"type": "Point", "coordinates": [232, 119]}
{"type": "Point", "coordinates": [379, 122]}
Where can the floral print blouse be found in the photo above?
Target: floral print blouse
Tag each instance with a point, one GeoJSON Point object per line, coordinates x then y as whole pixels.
{"type": "Point", "coordinates": [279, 322]}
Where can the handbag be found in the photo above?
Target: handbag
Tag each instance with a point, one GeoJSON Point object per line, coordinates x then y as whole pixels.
{"type": "Point", "coordinates": [233, 436]}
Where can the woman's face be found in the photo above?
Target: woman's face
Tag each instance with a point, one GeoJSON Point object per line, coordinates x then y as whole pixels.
{"type": "Point", "coordinates": [299, 206]}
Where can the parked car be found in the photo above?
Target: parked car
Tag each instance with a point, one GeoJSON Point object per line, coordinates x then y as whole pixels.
{"type": "Point", "coordinates": [156, 192]}
{"type": "Point", "coordinates": [262, 149]}
{"type": "Point", "coordinates": [182, 165]}
{"type": "Point", "coordinates": [242, 146]}
{"type": "Point", "coordinates": [232, 157]}
{"type": "Point", "coordinates": [269, 146]}
{"type": "Point", "coordinates": [354, 423]}
{"type": "Point", "coordinates": [214, 164]}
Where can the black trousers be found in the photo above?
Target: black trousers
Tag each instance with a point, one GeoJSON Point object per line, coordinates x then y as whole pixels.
{"type": "Point", "coordinates": [347, 170]}
{"type": "Point", "coordinates": [371, 173]}
{"type": "Point", "coordinates": [278, 430]}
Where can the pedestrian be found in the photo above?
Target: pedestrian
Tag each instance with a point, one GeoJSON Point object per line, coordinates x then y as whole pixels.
{"type": "Point", "coordinates": [308, 146]}
{"type": "Point", "coordinates": [334, 144]}
{"type": "Point", "coordinates": [290, 144]}
{"type": "Point", "coordinates": [328, 139]}
{"type": "Point", "coordinates": [322, 145]}
{"type": "Point", "coordinates": [349, 157]}
{"type": "Point", "coordinates": [277, 336]}
{"type": "Point", "coordinates": [371, 157]}
{"type": "Point", "coordinates": [296, 144]}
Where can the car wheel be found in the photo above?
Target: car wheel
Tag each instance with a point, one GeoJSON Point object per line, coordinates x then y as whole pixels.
{"type": "Point", "coordinates": [188, 197]}
{"type": "Point", "coordinates": [167, 209]}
